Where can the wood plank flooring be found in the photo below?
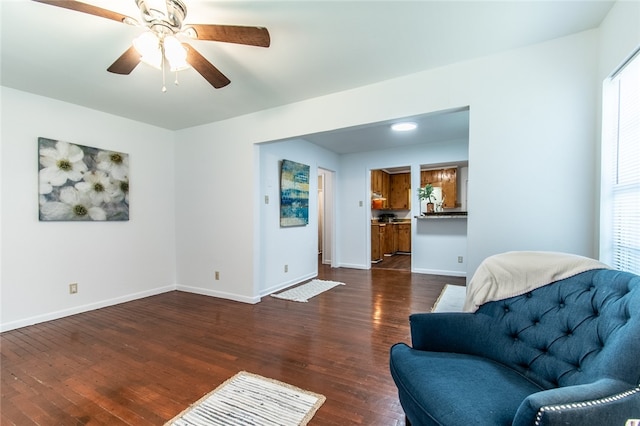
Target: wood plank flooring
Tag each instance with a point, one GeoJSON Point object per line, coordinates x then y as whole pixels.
{"type": "Point", "coordinates": [400, 262]}
{"type": "Point", "coordinates": [142, 362]}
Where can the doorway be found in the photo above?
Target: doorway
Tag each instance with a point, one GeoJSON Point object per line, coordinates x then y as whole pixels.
{"type": "Point", "coordinates": [391, 223]}
{"type": "Point", "coordinates": [326, 216]}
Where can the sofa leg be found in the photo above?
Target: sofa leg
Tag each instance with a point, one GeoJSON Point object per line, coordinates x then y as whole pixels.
{"type": "Point", "coordinates": [406, 421]}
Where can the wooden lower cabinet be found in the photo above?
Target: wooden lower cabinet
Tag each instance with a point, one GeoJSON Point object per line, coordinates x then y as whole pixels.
{"type": "Point", "coordinates": [389, 238]}
{"type": "Point", "coordinates": [377, 242]}
{"type": "Point", "coordinates": [404, 237]}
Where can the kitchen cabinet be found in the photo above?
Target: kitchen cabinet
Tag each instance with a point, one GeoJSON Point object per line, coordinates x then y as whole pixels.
{"type": "Point", "coordinates": [400, 191]}
{"type": "Point", "coordinates": [445, 179]}
{"type": "Point", "coordinates": [377, 242]}
{"type": "Point", "coordinates": [390, 239]}
{"type": "Point", "coordinates": [404, 237]}
{"type": "Point", "coordinates": [380, 188]}
{"type": "Point", "coordinates": [376, 181]}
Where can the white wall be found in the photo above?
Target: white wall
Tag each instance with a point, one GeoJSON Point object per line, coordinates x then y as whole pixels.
{"type": "Point", "coordinates": [296, 247]}
{"type": "Point", "coordinates": [531, 153]}
{"type": "Point", "coordinates": [437, 244]}
{"type": "Point", "coordinates": [111, 261]}
{"type": "Point", "coordinates": [619, 36]}
{"type": "Point", "coordinates": [216, 185]}
{"type": "Point", "coordinates": [532, 149]}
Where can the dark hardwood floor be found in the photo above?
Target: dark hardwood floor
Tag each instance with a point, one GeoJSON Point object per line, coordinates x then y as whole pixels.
{"type": "Point", "coordinates": [401, 262]}
{"type": "Point", "coordinates": [142, 362]}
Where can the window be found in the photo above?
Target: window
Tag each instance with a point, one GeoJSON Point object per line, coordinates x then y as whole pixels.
{"type": "Point", "coordinates": [620, 190]}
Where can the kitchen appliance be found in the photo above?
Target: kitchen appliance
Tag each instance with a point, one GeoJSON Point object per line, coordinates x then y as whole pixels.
{"type": "Point", "coordinates": [386, 217]}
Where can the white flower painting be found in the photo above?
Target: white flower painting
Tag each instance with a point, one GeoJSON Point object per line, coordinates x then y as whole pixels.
{"type": "Point", "coordinates": [80, 183]}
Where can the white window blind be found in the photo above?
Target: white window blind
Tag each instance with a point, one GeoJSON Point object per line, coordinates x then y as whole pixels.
{"type": "Point", "coordinates": [620, 207]}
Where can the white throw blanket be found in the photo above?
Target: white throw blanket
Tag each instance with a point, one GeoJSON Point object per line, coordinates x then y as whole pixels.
{"type": "Point", "coordinates": [514, 273]}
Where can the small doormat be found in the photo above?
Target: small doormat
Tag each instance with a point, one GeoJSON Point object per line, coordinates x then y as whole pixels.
{"type": "Point", "coordinates": [306, 291]}
{"type": "Point", "coordinates": [451, 299]}
{"type": "Point", "coordinates": [249, 399]}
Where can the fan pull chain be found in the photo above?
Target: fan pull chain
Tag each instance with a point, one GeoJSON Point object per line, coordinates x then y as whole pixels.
{"type": "Point", "coordinates": [176, 82]}
{"type": "Point", "coordinates": [164, 87]}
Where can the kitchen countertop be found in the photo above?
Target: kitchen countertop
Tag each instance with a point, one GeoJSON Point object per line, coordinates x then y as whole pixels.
{"type": "Point", "coordinates": [395, 222]}
{"type": "Point", "coordinates": [443, 215]}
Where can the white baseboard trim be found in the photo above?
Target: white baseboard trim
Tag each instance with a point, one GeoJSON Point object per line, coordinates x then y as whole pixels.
{"type": "Point", "coordinates": [218, 294]}
{"type": "Point", "coordinates": [353, 266]}
{"type": "Point", "coordinates": [282, 286]}
{"type": "Point", "coordinates": [439, 272]}
{"type": "Point", "coordinates": [12, 325]}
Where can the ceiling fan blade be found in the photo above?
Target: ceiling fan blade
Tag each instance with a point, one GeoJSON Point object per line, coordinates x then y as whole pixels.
{"type": "Point", "coordinates": [86, 8]}
{"type": "Point", "coordinates": [126, 62]}
{"type": "Point", "coordinates": [253, 36]}
{"type": "Point", "coordinates": [205, 68]}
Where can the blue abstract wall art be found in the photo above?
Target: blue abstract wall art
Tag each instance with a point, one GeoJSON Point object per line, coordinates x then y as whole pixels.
{"type": "Point", "coordinates": [294, 194]}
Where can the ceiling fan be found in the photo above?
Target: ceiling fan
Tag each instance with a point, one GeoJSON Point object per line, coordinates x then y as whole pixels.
{"type": "Point", "coordinates": [159, 45]}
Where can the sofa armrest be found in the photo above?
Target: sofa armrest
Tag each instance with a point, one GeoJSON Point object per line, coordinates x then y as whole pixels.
{"type": "Point", "coordinates": [448, 332]}
{"type": "Point", "coordinates": [606, 401]}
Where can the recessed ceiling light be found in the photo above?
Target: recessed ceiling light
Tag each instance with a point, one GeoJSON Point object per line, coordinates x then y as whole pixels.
{"type": "Point", "coordinates": [404, 127]}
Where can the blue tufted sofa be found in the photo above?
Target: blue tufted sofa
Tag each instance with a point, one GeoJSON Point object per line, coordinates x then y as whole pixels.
{"type": "Point", "coordinates": [567, 353]}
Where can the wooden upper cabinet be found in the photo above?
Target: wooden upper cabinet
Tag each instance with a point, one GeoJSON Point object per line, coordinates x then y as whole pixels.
{"type": "Point", "coordinates": [400, 191]}
{"type": "Point", "coordinates": [449, 187]}
{"type": "Point", "coordinates": [380, 186]}
{"type": "Point", "coordinates": [376, 181]}
{"type": "Point", "coordinates": [445, 179]}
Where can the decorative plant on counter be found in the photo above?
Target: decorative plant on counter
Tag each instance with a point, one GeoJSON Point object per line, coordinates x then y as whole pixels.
{"type": "Point", "coordinates": [425, 193]}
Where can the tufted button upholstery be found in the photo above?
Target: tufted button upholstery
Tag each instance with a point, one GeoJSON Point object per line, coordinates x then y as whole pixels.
{"type": "Point", "coordinates": [570, 322]}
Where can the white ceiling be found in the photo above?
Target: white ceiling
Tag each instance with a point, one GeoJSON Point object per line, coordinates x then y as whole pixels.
{"type": "Point", "coordinates": [434, 127]}
{"type": "Point", "coordinates": [317, 48]}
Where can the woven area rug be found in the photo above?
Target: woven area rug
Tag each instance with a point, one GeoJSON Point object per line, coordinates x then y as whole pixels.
{"type": "Point", "coordinates": [451, 299]}
{"type": "Point", "coordinates": [249, 399]}
{"type": "Point", "coordinates": [306, 291]}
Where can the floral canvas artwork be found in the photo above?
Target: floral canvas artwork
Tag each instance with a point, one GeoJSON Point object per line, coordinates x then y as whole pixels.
{"type": "Point", "coordinates": [294, 194]}
{"type": "Point", "coordinates": [81, 183]}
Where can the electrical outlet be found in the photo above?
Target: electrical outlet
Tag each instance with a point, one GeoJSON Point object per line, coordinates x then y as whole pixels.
{"type": "Point", "coordinates": [460, 259]}
{"type": "Point", "coordinates": [73, 288]}
{"type": "Point", "coordinates": [286, 268]}
{"type": "Point", "coordinates": [360, 203]}
{"type": "Point", "coordinates": [217, 275]}
{"type": "Point", "coordinates": [266, 199]}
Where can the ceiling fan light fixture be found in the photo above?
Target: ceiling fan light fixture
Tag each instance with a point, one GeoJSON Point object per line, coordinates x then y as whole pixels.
{"type": "Point", "coordinates": [156, 6]}
{"type": "Point", "coordinates": [166, 12]}
{"type": "Point", "coordinates": [148, 46]}
{"type": "Point", "coordinates": [190, 32]}
{"type": "Point", "coordinates": [175, 53]}
{"type": "Point", "coordinates": [164, 20]}
{"type": "Point", "coordinates": [131, 21]}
